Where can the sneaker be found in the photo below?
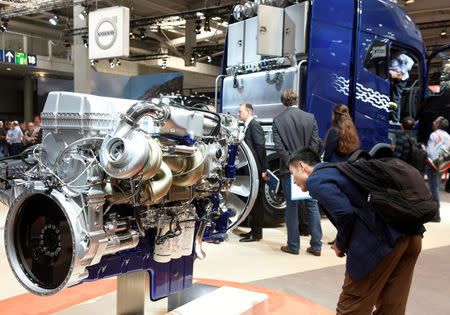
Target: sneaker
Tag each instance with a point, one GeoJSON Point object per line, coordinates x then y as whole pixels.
{"type": "Point", "coordinates": [313, 251]}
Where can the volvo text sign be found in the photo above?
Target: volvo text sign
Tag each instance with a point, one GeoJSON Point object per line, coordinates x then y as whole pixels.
{"type": "Point", "coordinates": [109, 33]}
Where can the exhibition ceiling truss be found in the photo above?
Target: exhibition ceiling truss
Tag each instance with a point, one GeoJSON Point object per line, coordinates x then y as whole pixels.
{"type": "Point", "coordinates": [156, 24]}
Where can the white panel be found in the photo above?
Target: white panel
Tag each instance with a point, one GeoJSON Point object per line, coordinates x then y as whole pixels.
{"type": "Point", "coordinates": [251, 40]}
{"type": "Point", "coordinates": [296, 21]}
{"type": "Point", "coordinates": [235, 44]}
{"type": "Point", "coordinates": [270, 31]}
{"type": "Point", "coordinates": [109, 31]}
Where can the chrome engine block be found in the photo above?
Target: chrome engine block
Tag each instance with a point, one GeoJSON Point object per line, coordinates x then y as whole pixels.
{"type": "Point", "coordinates": [120, 186]}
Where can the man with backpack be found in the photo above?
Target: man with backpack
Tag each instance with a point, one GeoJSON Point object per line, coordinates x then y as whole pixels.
{"type": "Point", "coordinates": [380, 257]}
{"type": "Point", "coordinates": [406, 147]}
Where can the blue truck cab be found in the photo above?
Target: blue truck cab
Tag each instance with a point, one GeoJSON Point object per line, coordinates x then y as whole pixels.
{"type": "Point", "coordinates": [329, 52]}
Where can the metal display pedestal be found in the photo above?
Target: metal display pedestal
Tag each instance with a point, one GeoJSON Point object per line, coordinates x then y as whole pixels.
{"type": "Point", "coordinates": [132, 291]}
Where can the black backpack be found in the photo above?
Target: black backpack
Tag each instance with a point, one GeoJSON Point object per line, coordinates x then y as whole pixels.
{"type": "Point", "coordinates": [417, 156]}
{"type": "Point", "coordinates": [397, 192]}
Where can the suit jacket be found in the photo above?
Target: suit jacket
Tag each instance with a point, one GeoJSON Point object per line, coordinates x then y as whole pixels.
{"type": "Point", "coordinates": [254, 138]}
{"type": "Point", "coordinates": [293, 129]}
{"type": "Point", "coordinates": [339, 196]}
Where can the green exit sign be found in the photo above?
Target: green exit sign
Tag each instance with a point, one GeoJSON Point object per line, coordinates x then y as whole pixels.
{"type": "Point", "coordinates": [21, 58]}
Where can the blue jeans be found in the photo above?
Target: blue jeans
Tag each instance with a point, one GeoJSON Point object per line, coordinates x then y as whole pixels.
{"type": "Point", "coordinates": [291, 215]}
{"type": "Point", "coordinates": [434, 179]}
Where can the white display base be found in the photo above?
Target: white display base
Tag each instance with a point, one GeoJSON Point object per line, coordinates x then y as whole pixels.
{"type": "Point", "coordinates": [226, 301]}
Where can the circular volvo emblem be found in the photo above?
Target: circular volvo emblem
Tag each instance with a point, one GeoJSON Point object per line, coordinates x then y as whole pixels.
{"type": "Point", "coordinates": [106, 33]}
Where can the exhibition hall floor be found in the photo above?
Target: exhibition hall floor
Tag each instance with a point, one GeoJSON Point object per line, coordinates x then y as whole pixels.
{"type": "Point", "coordinates": [295, 284]}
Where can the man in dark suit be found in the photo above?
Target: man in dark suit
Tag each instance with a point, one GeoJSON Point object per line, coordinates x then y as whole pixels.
{"type": "Point", "coordinates": [378, 273]}
{"type": "Point", "coordinates": [293, 129]}
{"type": "Point", "coordinates": [254, 138]}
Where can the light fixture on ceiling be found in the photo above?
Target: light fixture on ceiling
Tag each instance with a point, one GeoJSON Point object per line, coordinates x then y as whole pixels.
{"type": "Point", "coordinates": [83, 14]}
{"type": "Point", "coordinates": [85, 41]}
{"type": "Point", "coordinates": [192, 59]}
{"type": "Point", "coordinates": [443, 33]}
{"type": "Point", "coordinates": [142, 33]}
{"type": "Point", "coordinates": [206, 28]}
{"type": "Point", "coordinates": [8, 69]}
{"type": "Point", "coordinates": [164, 64]}
{"type": "Point", "coordinates": [132, 36]}
{"type": "Point", "coordinates": [208, 59]}
{"type": "Point", "coordinates": [216, 18]}
{"type": "Point", "coordinates": [93, 62]}
{"type": "Point", "coordinates": [4, 25]}
{"type": "Point", "coordinates": [53, 20]}
{"type": "Point", "coordinates": [118, 63]}
{"type": "Point", "coordinates": [111, 63]}
{"type": "Point", "coordinates": [408, 1]}
{"type": "Point", "coordinates": [198, 26]}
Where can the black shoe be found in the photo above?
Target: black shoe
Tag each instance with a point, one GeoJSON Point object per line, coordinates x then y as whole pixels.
{"type": "Point", "coordinates": [250, 238]}
{"type": "Point", "coordinates": [245, 234]}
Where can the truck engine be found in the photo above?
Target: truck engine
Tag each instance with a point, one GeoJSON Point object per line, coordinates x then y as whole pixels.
{"type": "Point", "coordinates": [119, 186]}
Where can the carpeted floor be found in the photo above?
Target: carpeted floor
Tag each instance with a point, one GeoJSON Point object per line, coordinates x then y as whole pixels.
{"type": "Point", "coordinates": [430, 291]}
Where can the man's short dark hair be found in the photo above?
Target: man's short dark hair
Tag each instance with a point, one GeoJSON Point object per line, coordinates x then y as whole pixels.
{"type": "Point", "coordinates": [408, 123]}
{"type": "Point", "coordinates": [306, 155]}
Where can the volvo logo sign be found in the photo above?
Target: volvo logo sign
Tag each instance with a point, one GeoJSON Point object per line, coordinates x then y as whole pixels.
{"type": "Point", "coordinates": [106, 33]}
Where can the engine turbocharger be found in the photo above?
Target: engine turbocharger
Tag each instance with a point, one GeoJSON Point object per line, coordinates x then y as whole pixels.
{"type": "Point", "coordinates": [119, 186]}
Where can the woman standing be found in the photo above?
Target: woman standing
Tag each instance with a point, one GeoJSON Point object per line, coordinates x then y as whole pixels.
{"type": "Point", "coordinates": [341, 139]}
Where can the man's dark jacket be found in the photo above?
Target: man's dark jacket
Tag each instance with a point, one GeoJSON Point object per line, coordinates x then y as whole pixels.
{"type": "Point", "coordinates": [254, 138]}
{"type": "Point", "coordinates": [339, 196]}
{"type": "Point", "coordinates": [293, 129]}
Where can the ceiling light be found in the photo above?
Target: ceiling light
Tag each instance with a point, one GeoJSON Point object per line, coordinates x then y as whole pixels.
{"type": "Point", "coordinates": [132, 36]}
{"type": "Point", "coordinates": [209, 59]}
{"type": "Point", "coordinates": [164, 64]}
{"type": "Point", "coordinates": [200, 14]}
{"type": "Point", "coordinates": [444, 33]}
{"type": "Point", "coordinates": [93, 62]}
{"type": "Point", "coordinates": [4, 26]}
{"type": "Point", "coordinates": [8, 69]}
{"type": "Point", "coordinates": [409, 1]}
{"type": "Point", "coordinates": [198, 26]}
{"type": "Point", "coordinates": [118, 63]}
{"type": "Point", "coordinates": [142, 33]}
{"type": "Point", "coordinates": [111, 63]}
{"type": "Point", "coordinates": [83, 14]}
{"type": "Point", "coordinates": [207, 28]}
{"type": "Point", "coordinates": [216, 18]}
{"type": "Point", "coordinates": [53, 20]}
{"type": "Point", "coordinates": [154, 28]}
{"type": "Point", "coordinates": [85, 41]}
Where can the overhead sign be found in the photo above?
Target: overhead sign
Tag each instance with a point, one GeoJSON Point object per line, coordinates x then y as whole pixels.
{"type": "Point", "coordinates": [10, 56]}
{"type": "Point", "coordinates": [32, 60]}
{"type": "Point", "coordinates": [21, 58]}
{"type": "Point", "coordinates": [109, 30]}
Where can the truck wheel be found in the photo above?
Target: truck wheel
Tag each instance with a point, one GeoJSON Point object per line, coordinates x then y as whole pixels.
{"type": "Point", "coordinates": [274, 204]}
{"type": "Point", "coordinates": [242, 194]}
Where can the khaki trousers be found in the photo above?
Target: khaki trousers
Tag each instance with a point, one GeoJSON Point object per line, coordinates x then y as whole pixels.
{"type": "Point", "coordinates": [387, 286]}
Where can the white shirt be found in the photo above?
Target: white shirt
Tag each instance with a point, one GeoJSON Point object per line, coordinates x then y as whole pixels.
{"type": "Point", "coordinates": [14, 135]}
{"type": "Point", "coordinates": [402, 64]}
{"type": "Point", "coordinates": [434, 140]}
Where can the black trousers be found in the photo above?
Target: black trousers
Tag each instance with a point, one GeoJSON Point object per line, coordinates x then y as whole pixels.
{"type": "Point", "coordinates": [256, 218]}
